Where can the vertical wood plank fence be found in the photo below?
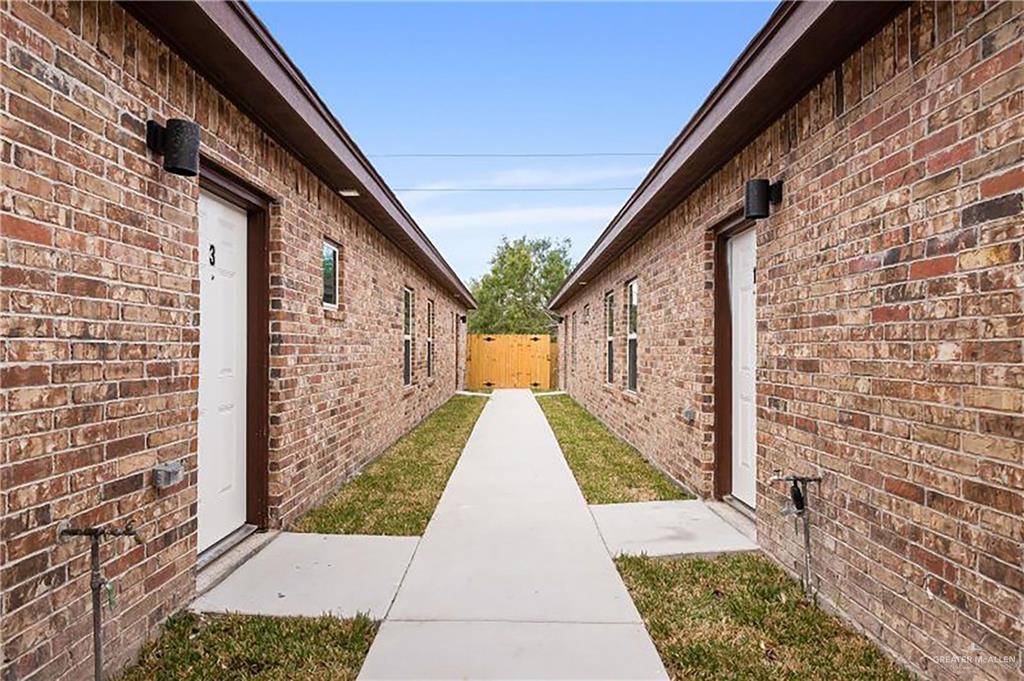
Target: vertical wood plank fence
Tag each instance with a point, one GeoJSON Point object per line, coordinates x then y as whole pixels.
{"type": "Point", "coordinates": [511, 361]}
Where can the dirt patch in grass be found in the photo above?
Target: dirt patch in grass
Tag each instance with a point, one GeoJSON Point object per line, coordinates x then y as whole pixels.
{"type": "Point", "coordinates": [741, 617]}
{"type": "Point", "coordinates": [607, 469]}
{"type": "Point", "coordinates": [397, 493]}
{"type": "Point", "coordinates": [201, 647]}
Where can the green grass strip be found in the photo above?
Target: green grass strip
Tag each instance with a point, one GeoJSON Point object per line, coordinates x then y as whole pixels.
{"type": "Point", "coordinates": [607, 469]}
{"type": "Point", "coordinates": [397, 493]}
{"type": "Point", "coordinates": [236, 647]}
{"type": "Point", "coordinates": [740, 617]}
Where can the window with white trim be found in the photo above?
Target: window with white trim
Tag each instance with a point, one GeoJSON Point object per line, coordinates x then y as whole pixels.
{"type": "Point", "coordinates": [330, 272]}
{"type": "Point", "coordinates": [430, 338]}
{"type": "Point", "coordinates": [632, 304]}
{"type": "Point", "coordinates": [609, 337]}
{"type": "Point", "coordinates": [407, 325]}
{"type": "Point", "coordinates": [572, 367]}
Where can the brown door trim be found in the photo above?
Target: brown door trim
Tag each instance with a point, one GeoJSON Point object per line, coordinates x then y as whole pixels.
{"type": "Point", "coordinates": [725, 230]}
{"type": "Point", "coordinates": [216, 180]}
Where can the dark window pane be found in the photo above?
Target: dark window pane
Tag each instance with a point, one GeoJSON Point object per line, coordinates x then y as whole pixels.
{"type": "Point", "coordinates": [407, 368]}
{"type": "Point", "coordinates": [407, 310]}
{"type": "Point", "coordinates": [631, 365]}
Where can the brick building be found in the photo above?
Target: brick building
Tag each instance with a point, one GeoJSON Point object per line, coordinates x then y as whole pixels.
{"type": "Point", "coordinates": [870, 329]}
{"type": "Point", "coordinates": [301, 367]}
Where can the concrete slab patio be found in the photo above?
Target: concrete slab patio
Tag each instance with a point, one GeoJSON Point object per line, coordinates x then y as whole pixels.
{"type": "Point", "coordinates": [313, 574]}
{"type": "Point", "coordinates": [511, 578]}
{"type": "Point", "coordinates": [667, 528]}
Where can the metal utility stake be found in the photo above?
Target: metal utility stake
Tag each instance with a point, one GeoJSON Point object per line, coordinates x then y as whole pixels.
{"type": "Point", "coordinates": [798, 498]}
{"type": "Point", "coordinates": [98, 582]}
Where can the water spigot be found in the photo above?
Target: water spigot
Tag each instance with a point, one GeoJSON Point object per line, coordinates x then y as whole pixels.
{"type": "Point", "coordinates": [797, 490]}
{"type": "Point", "coordinates": [797, 497]}
{"type": "Point", "coordinates": [798, 507]}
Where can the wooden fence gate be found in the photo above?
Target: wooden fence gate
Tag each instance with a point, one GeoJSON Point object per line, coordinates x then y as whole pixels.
{"type": "Point", "coordinates": [510, 361]}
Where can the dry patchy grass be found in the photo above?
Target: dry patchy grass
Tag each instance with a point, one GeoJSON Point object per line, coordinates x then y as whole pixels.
{"type": "Point", "coordinates": [607, 469]}
{"type": "Point", "coordinates": [740, 617]}
{"type": "Point", "coordinates": [397, 493]}
{"type": "Point", "coordinates": [200, 647]}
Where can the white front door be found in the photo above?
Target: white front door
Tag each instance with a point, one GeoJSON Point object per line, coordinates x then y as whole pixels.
{"type": "Point", "coordinates": [742, 257]}
{"type": "Point", "coordinates": [222, 368]}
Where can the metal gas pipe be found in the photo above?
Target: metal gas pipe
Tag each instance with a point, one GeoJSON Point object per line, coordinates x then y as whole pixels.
{"type": "Point", "coordinates": [798, 507]}
{"type": "Point", "coordinates": [97, 583]}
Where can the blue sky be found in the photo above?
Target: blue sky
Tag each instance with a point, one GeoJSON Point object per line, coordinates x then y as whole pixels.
{"type": "Point", "coordinates": [512, 78]}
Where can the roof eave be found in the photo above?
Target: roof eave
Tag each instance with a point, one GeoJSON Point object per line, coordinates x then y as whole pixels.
{"type": "Point", "coordinates": [799, 44]}
{"type": "Point", "coordinates": [228, 45]}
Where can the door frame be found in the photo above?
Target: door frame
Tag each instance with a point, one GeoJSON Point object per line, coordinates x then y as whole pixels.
{"type": "Point", "coordinates": [218, 181]}
{"type": "Point", "coordinates": [723, 231]}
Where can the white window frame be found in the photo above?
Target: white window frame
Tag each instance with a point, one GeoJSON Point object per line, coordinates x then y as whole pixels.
{"type": "Point", "coordinates": [430, 338]}
{"type": "Point", "coordinates": [572, 367]}
{"type": "Point", "coordinates": [632, 323]}
{"type": "Point", "coordinates": [330, 245]}
{"type": "Point", "coordinates": [408, 324]}
{"type": "Point", "coordinates": [609, 340]}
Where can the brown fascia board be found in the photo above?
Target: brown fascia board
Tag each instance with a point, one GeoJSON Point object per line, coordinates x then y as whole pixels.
{"type": "Point", "coordinates": [228, 45]}
{"type": "Point", "coordinates": [799, 44]}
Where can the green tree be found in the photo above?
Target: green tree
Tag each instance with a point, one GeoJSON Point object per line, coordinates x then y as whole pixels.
{"type": "Point", "coordinates": [513, 296]}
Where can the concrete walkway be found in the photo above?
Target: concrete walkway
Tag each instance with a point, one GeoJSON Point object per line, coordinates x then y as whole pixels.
{"type": "Point", "coordinates": [309, 575]}
{"type": "Point", "coordinates": [511, 579]}
{"type": "Point", "coordinates": [668, 528]}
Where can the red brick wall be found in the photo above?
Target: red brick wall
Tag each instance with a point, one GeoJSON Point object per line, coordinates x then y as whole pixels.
{"type": "Point", "coordinates": [890, 334]}
{"type": "Point", "coordinates": [99, 292]}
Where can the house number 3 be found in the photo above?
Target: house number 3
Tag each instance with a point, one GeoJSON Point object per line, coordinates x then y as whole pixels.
{"type": "Point", "coordinates": [213, 254]}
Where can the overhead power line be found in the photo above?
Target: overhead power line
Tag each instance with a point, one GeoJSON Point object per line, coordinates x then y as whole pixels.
{"type": "Point", "coordinates": [538, 155]}
{"type": "Point", "coordinates": [515, 189]}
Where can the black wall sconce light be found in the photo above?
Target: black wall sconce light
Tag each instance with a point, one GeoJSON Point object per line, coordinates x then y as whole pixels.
{"type": "Point", "coordinates": [761, 193]}
{"type": "Point", "coordinates": [462, 318]}
{"type": "Point", "coordinates": [178, 141]}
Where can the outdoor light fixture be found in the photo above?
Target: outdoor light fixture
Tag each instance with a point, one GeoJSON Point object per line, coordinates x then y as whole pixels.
{"type": "Point", "coordinates": [761, 193]}
{"type": "Point", "coordinates": [348, 193]}
{"type": "Point", "coordinates": [178, 141]}
{"type": "Point", "coordinates": [462, 318]}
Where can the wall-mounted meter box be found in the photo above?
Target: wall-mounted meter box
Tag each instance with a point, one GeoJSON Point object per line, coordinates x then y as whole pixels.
{"type": "Point", "coordinates": [168, 474]}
